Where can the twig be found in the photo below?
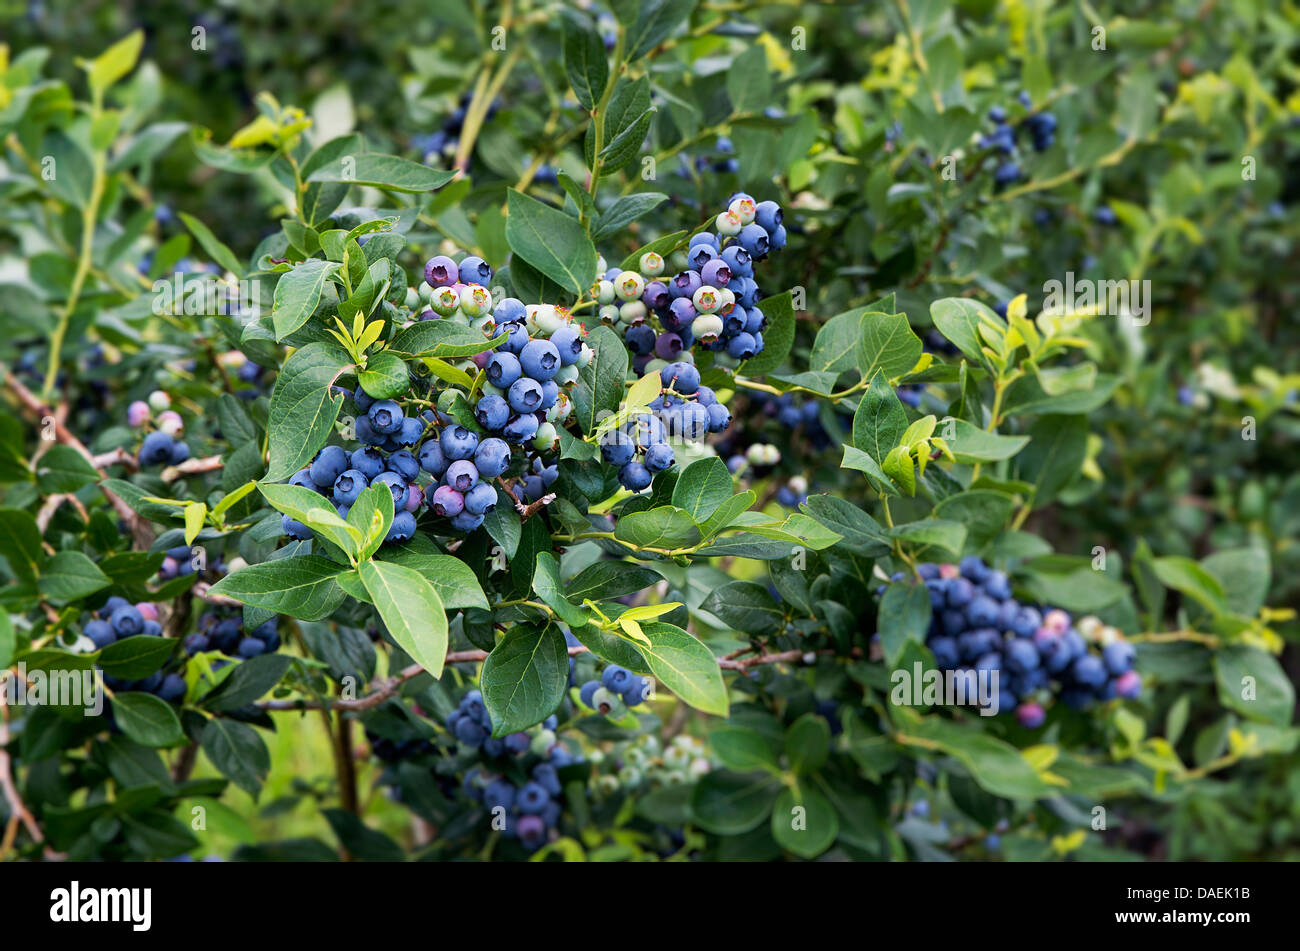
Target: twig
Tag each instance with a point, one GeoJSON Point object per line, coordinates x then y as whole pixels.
{"type": "Point", "coordinates": [16, 806]}
{"type": "Point", "coordinates": [191, 466]}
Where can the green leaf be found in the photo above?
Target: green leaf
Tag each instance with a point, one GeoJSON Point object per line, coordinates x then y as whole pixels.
{"type": "Point", "coordinates": [887, 346]}
{"type": "Point", "coordinates": [778, 338]}
{"type": "Point", "coordinates": [858, 531]}
{"type": "Point", "coordinates": [1244, 575]}
{"type": "Point", "coordinates": [297, 293]}
{"type": "Point", "coordinates": [303, 586]}
{"type": "Point", "coordinates": [219, 253]}
{"type": "Point", "coordinates": [584, 61]}
{"type": "Point", "coordinates": [249, 682]}
{"type": "Point", "coordinates": [524, 678]}
{"type": "Point", "coordinates": [372, 515]}
{"type": "Point", "coordinates": [970, 444]}
{"type": "Point", "coordinates": [70, 575]}
{"type": "Point", "coordinates": [411, 610]}
{"type": "Point", "coordinates": [904, 617]}
{"type": "Point", "coordinates": [549, 587]}
{"type": "Point", "coordinates": [880, 421]}
{"type": "Point", "coordinates": [385, 376]}
{"type": "Point", "coordinates": [115, 62]}
{"type": "Point", "coordinates": [835, 349]}
{"type": "Point", "coordinates": [703, 486]}
{"type": "Point", "coordinates": [804, 821]}
{"type": "Point", "coordinates": [749, 81]}
{"type": "Point", "coordinates": [605, 580]}
{"type": "Point", "coordinates": [743, 749]}
{"type": "Point", "coordinates": [303, 407]}
{"type": "Point", "coordinates": [624, 211]}
{"type": "Point", "coordinates": [685, 666]}
{"type": "Point", "coordinates": [20, 542]}
{"type": "Point", "coordinates": [1057, 448]}
{"type": "Point", "coordinates": [146, 719]}
{"type": "Point", "coordinates": [727, 803]}
{"type": "Point", "coordinates": [808, 743]}
{"type": "Point", "coordinates": [933, 532]}
{"type": "Point", "coordinates": [600, 383]}
{"type": "Point", "coordinates": [63, 469]}
{"type": "Point", "coordinates": [383, 171]}
{"type": "Point", "coordinates": [959, 318]}
{"type": "Point", "coordinates": [665, 527]}
{"type": "Point", "coordinates": [1254, 684]}
{"type": "Point", "coordinates": [134, 658]}
{"type": "Point", "coordinates": [550, 241]}
{"type": "Point", "coordinates": [995, 765]}
{"type": "Point", "coordinates": [746, 606]}
{"type": "Point", "coordinates": [655, 20]}
{"type": "Point", "coordinates": [237, 752]}
{"type": "Point", "coordinates": [314, 510]}
{"type": "Point", "coordinates": [441, 339]}
{"type": "Point", "coordinates": [1185, 575]}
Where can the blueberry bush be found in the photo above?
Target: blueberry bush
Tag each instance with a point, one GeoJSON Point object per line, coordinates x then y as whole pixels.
{"type": "Point", "coordinates": [660, 430]}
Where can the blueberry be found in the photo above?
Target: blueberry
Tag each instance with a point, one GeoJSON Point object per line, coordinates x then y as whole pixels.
{"type": "Point", "coordinates": [499, 794]}
{"type": "Point", "coordinates": [982, 611]}
{"type": "Point", "coordinates": [503, 369]}
{"type": "Point", "coordinates": [659, 457]}
{"type": "Point", "coordinates": [470, 732]}
{"type": "Point", "coordinates": [466, 522]}
{"type": "Point", "coordinates": [521, 428]}
{"type": "Point", "coordinates": [126, 621]}
{"type": "Point", "coordinates": [250, 647]}
{"type": "Point", "coordinates": [404, 464]}
{"type": "Point", "coordinates": [1089, 671]}
{"type": "Point", "coordinates": [997, 585]}
{"type": "Point", "coordinates": [396, 484]}
{"type": "Point", "coordinates": [945, 652]}
{"type": "Point", "coordinates": [1118, 657]}
{"type": "Point", "coordinates": [525, 395]}
{"type": "Point", "coordinates": [295, 529]}
{"type": "Point", "coordinates": [403, 527]}
{"type": "Point", "coordinates": [362, 399]}
{"type": "Point", "coordinates": [384, 417]}
{"type": "Point", "coordinates": [960, 593]}
{"type": "Point", "coordinates": [474, 270]}
{"type": "Point", "coordinates": [368, 461]}
{"type": "Point", "coordinates": [741, 346]}
{"type": "Point", "coordinates": [617, 448]}
{"type": "Point", "coordinates": [588, 691]}
{"type": "Point", "coordinates": [101, 633]}
{"type": "Point", "coordinates": [540, 359]}
{"type": "Point", "coordinates": [349, 485]}
{"type": "Point", "coordinates": [444, 500]}
{"type": "Point", "coordinates": [640, 339]}
{"type": "Point", "coordinates": [441, 271]}
{"type": "Point", "coordinates": [461, 475]}
{"type": "Point", "coordinates": [195, 644]}
{"type": "Point", "coordinates": [767, 215]}
{"type": "Point", "coordinates": [432, 460]}
{"type": "Point", "coordinates": [719, 417]}
{"type": "Point", "coordinates": [616, 678]}
{"type": "Point", "coordinates": [481, 499]}
{"type": "Point", "coordinates": [458, 443]}
{"type": "Point", "coordinates": [1021, 656]}
{"type": "Point", "coordinates": [754, 239]}
{"type": "Point", "coordinates": [156, 449]}
{"type": "Point", "coordinates": [412, 431]}
{"type": "Point", "coordinates": [681, 377]}
{"type": "Point", "coordinates": [568, 342]}
{"type": "Point", "coordinates": [634, 476]}
{"type": "Point", "coordinates": [509, 310]}
{"type": "Point", "coordinates": [532, 798]}
{"type": "Point", "coordinates": [492, 457]}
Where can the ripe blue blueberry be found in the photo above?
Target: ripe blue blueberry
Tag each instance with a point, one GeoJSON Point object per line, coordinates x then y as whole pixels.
{"type": "Point", "coordinates": [432, 460]}
{"type": "Point", "coordinates": [396, 484]}
{"type": "Point", "coordinates": [532, 798]}
{"type": "Point", "coordinates": [982, 611]}
{"type": "Point", "coordinates": [156, 449]}
{"type": "Point", "coordinates": [616, 678]}
{"type": "Point", "coordinates": [474, 270]}
{"type": "Point", "coordinates": [348, 486]}
{"type": "Point", "coordinates": [568, 341]}
{"type": "Point", "coordinates": [767, 215]}
{"type": "Point", "coordinates": [997, 585]}
{"type": "Point", "coordinates": [685, 284]}
{"type": "Point", "coordinates": [458, 442]}
{"type": "Point", "coordinates": [523, 427]}
{"type": "Point", "coordinates": [403, 527]}
{"type": "Point", "coordinates": [503, 369]}
{"type": "Point", "coordinates": [480, 499]}
{"type": "Point", "coordinates": [681, 377]}
{"type": "Point", "coordinates": [704, 237]}
{"type": "Point", "coordinates": [617, 448]}
{"type": "Point", "coordinates": [466, 522]}
{"type": "Point", "coordinates": [516, 335]}
{"type": "Point", "coordinates": [700, 255]}
{"type": "Point", "coordinates": [126, 621]}
{"type": "Point", "coordinates": [411, 433]}
{"type": "Point", "coordinates": [294, 529]}
{"type": "Point", "coordinates": [540, 359]}
{"type": "Point", "coordinates": [754, 239]}
{"type": "Point", "coordinates": [492, 411]}
{"type": "Point", "coordinates": [1021, 655]}
{"type": "Point", "coordinates": [1118, 657]}
{"type": "Point", "coordinates": [525, 395]}
{"type": "Point", "coordinates": [960, 593]}
{"type": "Point", "coordinates": [659, 457]}
{"type": "Point", "coordinates": [384, 416]}
{"type": "Point", "coordinates": [509, 310]}
{"type": "Point", "coordinates": [101, 633]}
{"type": "Point", "coordinates": [1089, 671]}
{"type": "Point", "coordinates": [404, 464]}
{"type": "Point", "coordinates": [492, 457]}
{"type": "Point", "coordinates": [719, 417]}
{"type": "Point", "coordinates": [741, 346]}
{"type": "Point", "coordinates": [635, 476]}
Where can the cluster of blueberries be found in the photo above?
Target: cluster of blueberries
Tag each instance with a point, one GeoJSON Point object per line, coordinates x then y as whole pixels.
{"type": "Point", "coordinates": [533, 808]}
{"type": "Point", "coordinates": [639, 447]}
{"type": "Point", "coordinates": [713, 303]}
{"type": "Point", "coordinates": [977, 624]}
{"type": "Point", "coordinates": [163, 446]}
{"type": "Point", "coordinates": [523, 399]}
{"type": "Point", "coordinates": [226, 634]}
{"type": "Point", "coordinates": [1041, 127]}
{"type": "Point", "coordinates": [119, 619]}
{"type": "Point", "coordinates": [616, 686]}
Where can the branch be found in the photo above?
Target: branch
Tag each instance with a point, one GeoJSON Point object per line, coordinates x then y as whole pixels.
{"type": "Point", "coordinates": [17, 809]}
{"type": "Point", "coordinates": [191, 466]}
{"type": "Point", "coordinates": [390, 686]}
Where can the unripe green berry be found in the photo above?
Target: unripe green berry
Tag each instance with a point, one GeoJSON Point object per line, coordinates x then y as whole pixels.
{"type": "Point", "coordinates": [159, 401]}
{"type": "Point", "coordinates": [632, 312]}
{"type": "Point", "coordinates": [605, 292]}
{"type": "Point", "coordinates": [629, 285]}
{"type": "Point", "coordinates": [652, 264]}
